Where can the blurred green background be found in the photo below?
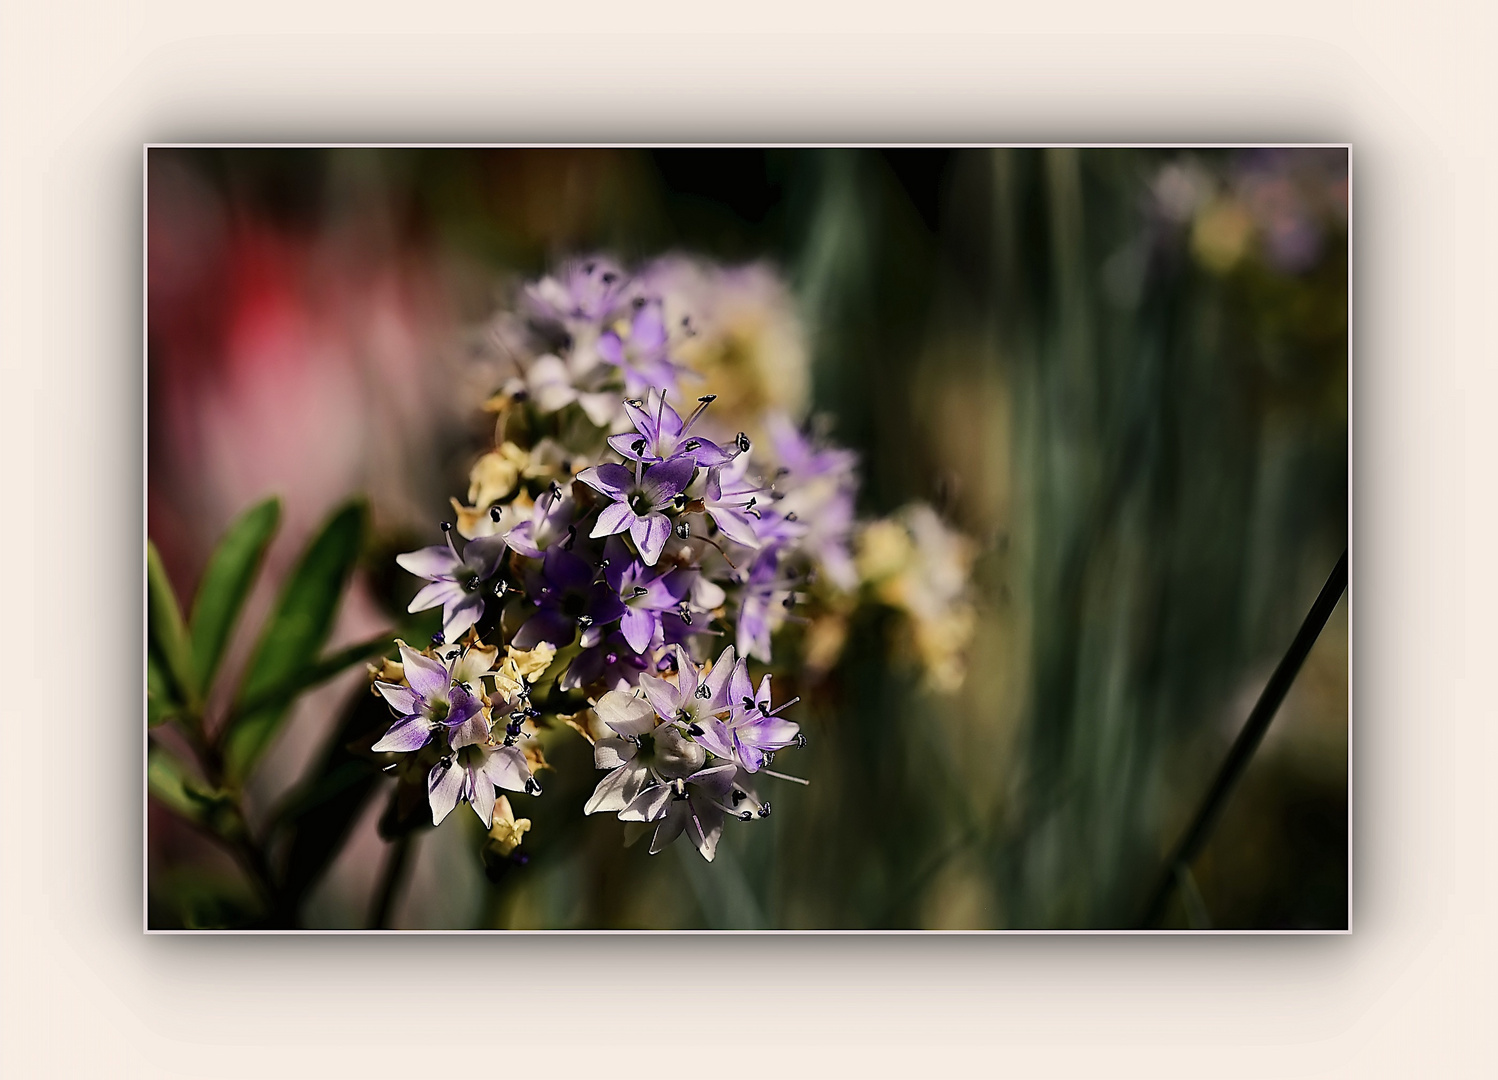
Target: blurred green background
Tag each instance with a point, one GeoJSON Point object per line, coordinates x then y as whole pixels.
{"type": "Point", "coordinates": [1122, 371]}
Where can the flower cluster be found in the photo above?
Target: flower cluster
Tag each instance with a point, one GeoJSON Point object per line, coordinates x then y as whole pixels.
{"type": "Point", "coordinates": [621, 526]}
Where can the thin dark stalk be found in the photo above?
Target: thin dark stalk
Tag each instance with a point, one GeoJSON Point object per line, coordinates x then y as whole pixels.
{"type": "Point", "coordinates": [1200, 829]}
{"type": "Point", "coordinates": [392, 877]}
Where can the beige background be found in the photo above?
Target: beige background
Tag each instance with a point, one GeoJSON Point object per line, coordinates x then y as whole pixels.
{"type": "Point", "coordinates": [86, 994]}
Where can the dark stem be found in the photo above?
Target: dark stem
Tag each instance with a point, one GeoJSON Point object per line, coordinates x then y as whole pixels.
{"type": "Point", "coordinates": [1200, 829]}
{"type": "Point", "coordinates": [391, 879]}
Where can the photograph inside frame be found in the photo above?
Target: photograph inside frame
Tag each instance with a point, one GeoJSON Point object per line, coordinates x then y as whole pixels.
{"type": "Point", "coordinates": [747, 539]}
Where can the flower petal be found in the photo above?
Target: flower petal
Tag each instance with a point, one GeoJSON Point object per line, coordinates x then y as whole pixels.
{"type": "Point", "coordinates": [649, 805]}
{"type": "Point", "coordinates": [613, 480]}
{"type": "Point", "coordinates": [650, 536]}
{"type": "Point", "coordinates": [481, 557]}
{"type": "Point", "coordinates": [670, 828]}
{"type": "Point", "coordinates": [638, 628]}
{"type": "Point", "coordinates": [444, 787]}
{"type": "Point", "coordinates": [618, 789]}
{"type": "Point", "coordinates": [427, 677]}
{"type": "Point", "coordinates": [411, 733]}
{"type": "Point", "coordinates": [401, 698]}
{"type": "Point", "coordinates": [613, 518]}
{"type": "Point", "coordinates": [625, 713]}
{"type": "Point", "coordinates": [482, 792]}
{"type": "Point", "coordinates": [457, 617]}
{"type": "Point", "coordinates": [662, 483]}
{"type": "Point", "coordinates": [547, 625]}
{"type": "Point", "coordinates": [438, 561]}
{"type": "Point", "coordinates": [506, 768]}
{"type": "Point", "coordinates": [435, 594]}
{"type": "Point", "coordinates": [663, 697]}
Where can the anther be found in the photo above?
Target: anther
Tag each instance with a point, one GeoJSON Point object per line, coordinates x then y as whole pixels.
{"type": "Point", "coordinates": [739, 796]}
{"type": "Point", "coordinates": [438, 639]}
{"type": "Point", "coordinates": [609, 278]}
{"type": "Point", "coordinates": [585, 621]}
{"type": "Point", "coordinates": [764, 810]}
{"type": "Point", "coordinates": [800, 739]}
{"type": "Point", "coordinates": [639, 302]}
{"type": "Point", "coordinates": [494, 514]}
{"type": "Point", "coordinates": [638, 446]}
{"type": "Point", "coordinates": [446, 762]}
{"type": "Point", "coordinates": [694, 729]}
{"type": "Point", "coordinates": [791, 516]}
{"type": "Point", "coordinates": [742, 442]}
{"type": "Point", "coordinates": [531, 786]}
{"type": "Point", "coordinates": [640, 591]}
{"type": "Point", "coordinates": [683, 531]}
{"type": "Point", "coordinates": [680, 501]}
{"type": "Point", "coordinates": [555, 490]}
{"type": "Point", "coordinates": [501, 587]}
{"type": "Point", "coordinates": [684, 612]}
{"type": "Point", "coordinates": [472, 583]}
{"type": "Point", "coordinates": [706, 399]}
{"type": "Point", "coordinates": [704, 691]}
{"type": "Point", "coordinates": [690, 444]}
{"type": "Point", "coordinates": [571, 538]}
{"type": "Point", "coordinates": [446, 526]}
{"type": "Point", "coordinates": [789, 602]}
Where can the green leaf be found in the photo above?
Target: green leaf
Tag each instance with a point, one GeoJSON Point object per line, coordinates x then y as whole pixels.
{"type": "Point", "coordinates": [226, 583]}
{"type": "Point", "coordinates": [293, 636]}
{"type": "Point", "coordinates": [161, 703]}
{"type": "Point", "coordinates": [174, 786]}
{"type": "Point", "coordinates": [168, 636]}
{"type": "Point", "coordinates": [310, 676]}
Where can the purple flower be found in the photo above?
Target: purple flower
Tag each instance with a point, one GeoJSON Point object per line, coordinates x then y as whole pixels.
{"type": "Point", "coordinates": [692, 701]}
{"type": "Point", "coordinates": [611, 662]}
{"type": "Point", "coordinates": [646, 595]}
{"type": "Point", "coordinates": [471, 773]}
{"type": "Point", "coordinates": [762, 606]}
{"type": "Point", "coordinates": [734, 503]}
{"type": "Point", "coordinates": [642, 352]}
{"type": "Point", "coordinates": [455, 581]}
{"type": "Point", "coordinates": [753, 731]}
{"type": "Point", "coordinates": [638, 501]}
{"type": "Point", "coordinates": [548, 523]}
{"type": "Point", "coordinates": [568, 596]}
{"type": "Point", "coordinates": [430, 705]}
{"type": "Point", "coordinates": [661, 434]}
{"type": "Point", "coordinates": [590, 289]}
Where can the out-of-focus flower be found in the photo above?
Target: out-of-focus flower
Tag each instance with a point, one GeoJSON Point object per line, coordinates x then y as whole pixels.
{"type": "Point", "coordinates": [455, 581]}
{"type": "Point", "coordinates": [915, 563]}
{"type": "Point", "coordinates": [548, 522]}
{"type": "Point", "coordinates": [640, 348]}
{"type": "Point", "coordinates": [495, 474]}
{"type": "Point", "coordinates": [741, 334]}
{"type": "Point", "coordinates": [762, 606]}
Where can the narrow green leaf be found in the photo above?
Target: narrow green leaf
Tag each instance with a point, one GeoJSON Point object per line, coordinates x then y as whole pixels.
{"type": "Point", "coordinates": [174, 786]}
{"type": "Point", "coordinates": [226, 583]}
{"type": "Point", "coordinates": [161, 703]}
{"type": "Point", "coordinates": [167, 633]}
{"type": "Point", "coordinates": [304, 679]}
{"type": "Point", "coordinates": [293, 636]}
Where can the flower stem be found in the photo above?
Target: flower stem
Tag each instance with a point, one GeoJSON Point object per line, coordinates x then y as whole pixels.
{"type": "Point", "coordinates": [1200, 829]}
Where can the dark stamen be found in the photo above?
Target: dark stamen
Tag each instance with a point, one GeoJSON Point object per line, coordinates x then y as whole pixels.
{"type": "Point", "coordinates": [683, 531]}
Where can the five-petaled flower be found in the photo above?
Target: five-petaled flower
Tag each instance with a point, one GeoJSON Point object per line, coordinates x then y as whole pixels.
{"type": "Point", "coordinates": [638, 501]}
{"type": "Point", "coordinates": [455, 582]}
